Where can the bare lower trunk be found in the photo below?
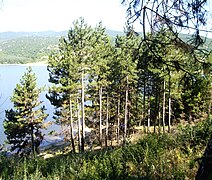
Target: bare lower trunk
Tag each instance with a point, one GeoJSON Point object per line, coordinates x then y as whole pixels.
{"type": "Point", "coordinates": [100, 116]}
{"type": "Point", "coordinates": [156, 113]}
{"type": "Point", "coordinates": [107, 117]}
{"type": "Point", "coordinates": [144, 107]}
{"type": "Point", "coordinates": [126, 112]}
{"type": "Point", "coordinates": [71, 125]}
{"type": "Point", "coordinates": [79, 125]}
{"type": "Point", "coordinates": [169, 110]}
{"type": "Point", "coordinates": [149, 111]}
{"type": "Point", "coordinates": [209, 105]}
{"type": "Point", "coordinates": [164, 104]}
{"type": "Point", "coordinates": [32, 139]}
{"type": "Point", "coordinates": [159, 119]}
{"type": "Point", "coordinates": [118, 119]}
{"type": "Point", "coordinates": [169, 118]}
{"type": "Point", "coordinates": [83, 113]}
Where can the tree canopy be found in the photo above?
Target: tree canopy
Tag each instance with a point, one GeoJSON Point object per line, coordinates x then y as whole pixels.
{"type": "Point", "coordinates": [23, 123]}
{"type": "Point", "coordinates": [188, 16]}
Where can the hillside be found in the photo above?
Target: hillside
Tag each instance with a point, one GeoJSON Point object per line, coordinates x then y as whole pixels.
{"type": "Point", "coordinates": [26, 47]}
{"type": "Point", "coordinates": [207, 41]}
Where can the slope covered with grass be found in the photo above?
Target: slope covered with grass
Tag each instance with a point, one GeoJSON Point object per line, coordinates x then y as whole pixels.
{"type": "Point", "coordinates": [155, 156]}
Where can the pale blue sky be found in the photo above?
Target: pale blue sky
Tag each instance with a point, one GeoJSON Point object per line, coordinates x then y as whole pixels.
{"type": "Point", "coordinates": [58, 15]}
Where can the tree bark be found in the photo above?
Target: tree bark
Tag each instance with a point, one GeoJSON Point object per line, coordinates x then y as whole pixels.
{"type": "Point", "coordinates": [83, 112]}
{"type": "Point", "coordinates": [144, 107]}
{"type": "Point", "coordinates": [126, 111]}
{"type": "Point", "coordinates": [156, 112]}
{"type": "Point", "coordinates": [71, 124]}
{"type": "Point", "coordinates": [107, 117]}
{"type": "Point", "coordinates": [118, 120]}
{"type": "Point", "coordinates": [164, 104]}
{"type": "Point", "coordinates": [159, 118]}
{"type": "Point", "coordinates": [79, 125]}
{"type": "Point", "coordinates": [169, 108]}
{"type": "Point", "coordinates": [149, 111]}
{"type": "Point", "coordinates": [32, 139]}
{"type": "Point", "coordinates": [169, 118]}
{"type": "Point", "coordinates": [100, 116]}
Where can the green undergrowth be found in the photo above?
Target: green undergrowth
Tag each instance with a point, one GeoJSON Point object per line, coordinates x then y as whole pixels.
{"type": "Point", "coordinates": [164, 156]}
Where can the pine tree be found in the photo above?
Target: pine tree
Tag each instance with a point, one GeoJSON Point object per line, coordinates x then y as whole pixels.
{"type": "Point", "coordinates": [63, 93]}
{"type": "Point", "coordinates": [99, 84]}
{"type": "Point", "coordinates": [69, 69]}
{"type": "Point", "coordinates": [23, 123]}
{"type": "Point", "coordinates": [124, 75]}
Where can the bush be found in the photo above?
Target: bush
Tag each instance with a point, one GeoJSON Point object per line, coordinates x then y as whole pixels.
{"type": "Point", "coordinates": [153, 157]}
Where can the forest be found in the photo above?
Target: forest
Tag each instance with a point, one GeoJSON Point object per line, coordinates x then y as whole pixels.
{"type": "Point", "coordinates": [30, 47]}
{"type": "Point", "coordinates": [22, 49]}
{"type": "Point", "coordinates": [136, 106]}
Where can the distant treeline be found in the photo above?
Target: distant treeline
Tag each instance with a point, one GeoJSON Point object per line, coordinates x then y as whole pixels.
{"type": "Point", "coordinates": [26, 47]}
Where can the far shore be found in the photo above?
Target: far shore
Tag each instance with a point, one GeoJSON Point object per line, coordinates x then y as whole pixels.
{"type": "Point", "coordinates": [40, 63]}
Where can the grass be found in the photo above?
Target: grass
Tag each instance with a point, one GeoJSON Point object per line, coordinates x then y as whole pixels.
{"type": "Point", "coordinates": [155, 156]}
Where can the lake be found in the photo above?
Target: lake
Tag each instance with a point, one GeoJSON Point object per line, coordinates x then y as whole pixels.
{"type": "Point", "coordinates": [10, 75]}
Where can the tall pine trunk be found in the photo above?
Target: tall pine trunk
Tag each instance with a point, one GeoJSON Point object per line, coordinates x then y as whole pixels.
{"type": "Point", "coordinates": [107, 117]}
{"type": "Point", "coordinates": [144, 107]}
{"type": "Point", "coordinates": [159, 118]}
{"type": "Point", "coordinates": [156, 112]}
{"type": "Point", "coordinates": [79, 125]}
{"type": "Point", "coordinates": [83, 112]}
{"type": "Point", "coordinates": [169, 115]}
{"type": "Point", "coordinates": [100, 115]}
{"type": "Point", "coordinates": [118, 119]}
{"type": "Point", "coordinates": [71, 124]}
{"type": "Point", "coordinates": [164, 104]}
{"type": "Point", "coordinates": [169, 108]}
{"type": "Point", "coordinates": [149, 111]}
{"type": "Point", "coordinates": [126, 111]}
{"type": "Point", "coordinates": [32, 139]}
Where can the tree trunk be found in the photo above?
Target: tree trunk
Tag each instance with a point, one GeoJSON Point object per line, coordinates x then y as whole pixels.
{"type": "Point", "coordinates": [126, 111]}
{"type": "Point", "coordinates": [164, 104]}
{"type": "Point", "coordinates": [32, 139]}
{"type": "Point", "coordinates": [100, 116]}
{"type": "Point", "coordinates": [83, 113]}
{"type": "Point", "coordinates": [169, 118]}
{"type": "Point", "coordinates": [71, 124]}
{"type": "Point", "coordinates": [79, 125]}
{"type": "Point", "coordinates": [118, 120]}
{"type": "Point", "coordinates": [144, 107]}
{"type": "Point", "coordinates": [149, 111]}
{"type": "Point", "coordinates": [159, 118]}
{"type": "Point", "coordinates": [156, 112]}
{"type": "Point", "coordinates": [107, 117]}
{"type": "Point", "coordinates": [169, 109]}
{"type": "Point", "coordinates": [209, 105]}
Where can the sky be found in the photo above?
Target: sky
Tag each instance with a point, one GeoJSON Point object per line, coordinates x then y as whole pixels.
{"type": "Point", "coordinates": [58, 15]}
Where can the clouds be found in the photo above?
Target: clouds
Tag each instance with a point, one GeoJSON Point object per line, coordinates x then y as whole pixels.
{"type": "Point", "coordinates": [39, 15]}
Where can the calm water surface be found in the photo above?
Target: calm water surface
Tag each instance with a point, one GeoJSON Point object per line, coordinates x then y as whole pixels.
{"type": "Point", "coordinates": [10, 75]}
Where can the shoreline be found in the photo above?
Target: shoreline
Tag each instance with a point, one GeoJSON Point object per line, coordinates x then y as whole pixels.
{"type": "Point", "coordinates": [40, 63]}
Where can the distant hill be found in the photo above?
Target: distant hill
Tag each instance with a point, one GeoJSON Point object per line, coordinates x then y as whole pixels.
{"type": "Point", "coordinates": [4, 36]}
{"type": "Point", "coordinates": [24, 47]}
{"type": "Point", "coordinates": [113, 33]}
{"type": "Point", "coordinates": [207, 41]}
